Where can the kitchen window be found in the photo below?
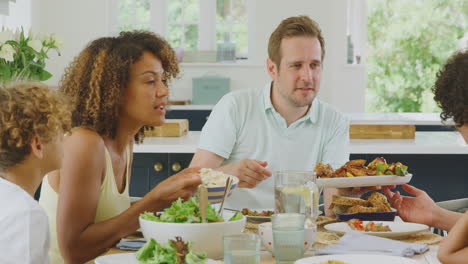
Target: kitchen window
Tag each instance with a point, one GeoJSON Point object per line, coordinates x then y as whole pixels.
{"type": "Point", "coordinates": [402, 45]}
{"type": "Point", "coordinates": [198, 27]}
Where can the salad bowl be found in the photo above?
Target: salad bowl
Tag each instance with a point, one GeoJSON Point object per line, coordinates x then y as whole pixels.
{"type": "Point", "coordinates": [206, 237]}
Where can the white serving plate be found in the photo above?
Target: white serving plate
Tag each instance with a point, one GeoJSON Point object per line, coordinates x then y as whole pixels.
{"type": "Point", "coordinates": [357, 259]}
{"type": "Point", "coordinates": [259, 219]}
{"type": "Point", "coordinates": [399, 229]}
{"type": "Point", "coordinates": [362, 181]}
{"type": "Point", "coordinates": [129, 258]}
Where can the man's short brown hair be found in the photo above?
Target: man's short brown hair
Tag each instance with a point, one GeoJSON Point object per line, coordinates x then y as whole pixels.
{"type": "Point", "coordinates": [28, 110]}
{"type": "Point", "coordinates": [293, 27]}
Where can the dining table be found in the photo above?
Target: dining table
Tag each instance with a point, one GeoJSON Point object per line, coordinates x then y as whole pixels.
{"type": "Point", "coordinates": [429, 257]}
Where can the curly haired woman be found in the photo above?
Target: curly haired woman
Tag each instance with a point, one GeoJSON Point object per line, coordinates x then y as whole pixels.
{"type": "Point", "coordinates": [118, 88]}
{"type": "Point", "coordinates": [451, 93]}
{"type": "Point", "coordinates": [32, 122]}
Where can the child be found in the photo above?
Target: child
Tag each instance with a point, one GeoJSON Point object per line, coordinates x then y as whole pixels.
{"type": "Point", "coordinates": [33, 119]}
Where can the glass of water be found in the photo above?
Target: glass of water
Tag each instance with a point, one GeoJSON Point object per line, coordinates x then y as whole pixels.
{"type": "Point", "coordinates": [288, 237]}
{"type": "Point", "coordinates": [241, 249]}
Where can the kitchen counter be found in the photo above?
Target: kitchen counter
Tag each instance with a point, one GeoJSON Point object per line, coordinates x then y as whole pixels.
{"type": "Point", "coordinates": [419, 119]}
{"type": "Point", "coordinates": [424, 143]}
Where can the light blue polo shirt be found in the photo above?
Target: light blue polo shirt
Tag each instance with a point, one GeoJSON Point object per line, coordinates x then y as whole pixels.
{"type": "Point", "coordinates": [244, 124]}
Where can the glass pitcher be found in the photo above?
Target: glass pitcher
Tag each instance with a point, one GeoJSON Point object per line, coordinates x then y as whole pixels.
{"type": "Point", "coordinates": [297, 192]}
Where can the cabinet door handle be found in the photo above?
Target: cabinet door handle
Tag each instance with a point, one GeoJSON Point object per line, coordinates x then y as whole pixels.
{"type": "Point", "coordinates": [158, 166]}
{"type": "Point", "coordinates": [176, 166]}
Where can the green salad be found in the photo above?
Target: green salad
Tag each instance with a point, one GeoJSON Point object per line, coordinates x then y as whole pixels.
{"type": "Point", "coordinates": [172, 252]}
{"type": "Point", "coordinates": [187, 212]}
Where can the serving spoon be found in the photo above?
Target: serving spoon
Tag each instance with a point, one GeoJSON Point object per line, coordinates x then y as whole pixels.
{"type": "Point", "coordinates": [203, 202]}
{"type": "Point", "coordinates": [226, 192]}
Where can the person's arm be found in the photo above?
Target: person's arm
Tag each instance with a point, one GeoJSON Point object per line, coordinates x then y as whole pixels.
{"type": "Point", "coordinates": [218, 140]}
{"type": "Point", "coordinates": [454, 248]}
{"type": "Point", "coordinates": [81, 239]}
{"type": "Point", "coordinates": [421, 208]}
{"type": "Point", "coordinates": [249, 171]}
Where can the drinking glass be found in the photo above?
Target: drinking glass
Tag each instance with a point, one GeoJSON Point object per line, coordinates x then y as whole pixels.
{"type": "Point", "coordinates": [241, 249]}
{"type": "Point", "coordinates": [288, 237]}
{"type": "Point", "coordinates": [297, 192]}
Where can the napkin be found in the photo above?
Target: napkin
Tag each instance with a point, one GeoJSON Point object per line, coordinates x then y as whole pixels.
{"type": "Point", "coordinates": [130, 244]}
{"type": "Point", "coordinates": [355, 242]}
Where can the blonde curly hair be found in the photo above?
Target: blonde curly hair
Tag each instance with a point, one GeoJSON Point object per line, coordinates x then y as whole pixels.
{"type": "Point", "coordinates": [97, 77]}
{"type": "Point", "coordinates": [28, 110]}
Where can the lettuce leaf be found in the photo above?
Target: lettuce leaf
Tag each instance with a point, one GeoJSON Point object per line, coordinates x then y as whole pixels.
{"type": "Point", "coordinates": [154, 253]}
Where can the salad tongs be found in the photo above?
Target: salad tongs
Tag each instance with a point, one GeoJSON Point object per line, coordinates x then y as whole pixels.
{"type": "Point", "coordinates": [203, 202]}
{"type": "Point", "coordinates": [226, 192]}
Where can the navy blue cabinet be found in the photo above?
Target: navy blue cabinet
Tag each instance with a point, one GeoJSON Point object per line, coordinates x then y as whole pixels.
{"type": "Point", "coordinates": [149, 169]}
{"type": "Point", "coordinates": [443, 177]}
{"type": "Point", "coordinates": [197, 118]}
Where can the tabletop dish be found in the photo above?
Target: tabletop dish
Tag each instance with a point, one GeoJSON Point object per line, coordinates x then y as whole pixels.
{"type": "Point", "coordinates": [355, 173]}
{"type": "Point", "coordinates": [206, 237]}
{"type": "Point", "coordinates": [129, 258]}
{"type": "Point", "coordinates": [257, 215]}
{"type": "Point", "coordinates": [357, 259]}
{"type": "Point", "coordinates": [371, 206]}
{"type": "Point", "coordinates": [363, 181]}
{"type": "Point", "coordinates": [399, 229]}
{"type": "Point", "coordinates": [215, 181]}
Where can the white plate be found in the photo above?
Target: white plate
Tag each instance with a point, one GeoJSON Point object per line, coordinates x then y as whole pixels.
{"type": "Point", "coordinates": [361, 181]}
{"type": "Point", "coordinates": [128, 258]}
{"type": "Point", "coordinates": [252, 218]}
{"type": "Point", "coordinates": [357, 259]}
{"type": "Point", "coordinates": [399, 229]}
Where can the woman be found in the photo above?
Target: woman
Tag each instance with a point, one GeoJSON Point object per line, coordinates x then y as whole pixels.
{"type": "Point", "coordinates": [118, 88]}
{"type": "Point", "coordinates": [451, 93]}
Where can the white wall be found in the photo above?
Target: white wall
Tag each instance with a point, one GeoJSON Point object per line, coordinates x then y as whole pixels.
{"type": "Point", "coordinates": [79, 22]}
{"type": "Point", "coordinates": [19, 15]}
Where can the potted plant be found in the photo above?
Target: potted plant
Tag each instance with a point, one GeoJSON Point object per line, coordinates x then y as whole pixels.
{"type": "Point", "coordinates": [23, 57]}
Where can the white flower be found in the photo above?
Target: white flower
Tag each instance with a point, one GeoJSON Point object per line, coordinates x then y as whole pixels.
{"type": "Point", "coordinates": [6, 35]}
{"type": "Point", "coordinates": [58, 41]}
{"type": "Point", "coordinates": [7, 52]}
{"type": "Point", "coordinates": [17, 34]}
{"type": "Point", "coordinates": [35, 44]}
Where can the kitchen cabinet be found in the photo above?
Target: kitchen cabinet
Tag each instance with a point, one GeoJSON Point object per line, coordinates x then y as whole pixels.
{"type": "Point", "coordinates": [149, 169]}
{"type": "Point", "coordinates": [442, 176]}
{"type": "Point", "coordinates": [197, 118]}
{"type": "Point", "coordinates": [424, 122]}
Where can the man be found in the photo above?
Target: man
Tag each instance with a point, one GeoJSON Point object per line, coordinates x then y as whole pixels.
{"type": "Point", "coordinates": [251, 133]}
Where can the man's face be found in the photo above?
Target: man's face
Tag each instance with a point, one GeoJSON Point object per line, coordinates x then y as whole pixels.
{"type": "Point", "coordinates": [297, 78]}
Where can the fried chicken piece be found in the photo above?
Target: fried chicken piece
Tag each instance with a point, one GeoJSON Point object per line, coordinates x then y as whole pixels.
{"type": "Point", "coordinates": [341, 172]}
{"type": "Point", "coordinates": [323, 170]}
{"type": "Point", "coordinates": [356, 163]}
{"type": "Point", "coordinates": [357, 171]}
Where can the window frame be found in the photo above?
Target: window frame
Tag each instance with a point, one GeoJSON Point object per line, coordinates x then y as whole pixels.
{"type": "Point", "coordinates": [206, 25]}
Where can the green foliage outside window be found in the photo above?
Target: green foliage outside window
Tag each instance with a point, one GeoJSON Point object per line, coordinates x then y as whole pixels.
{"type": "Point", "coordinates": [408, 42]}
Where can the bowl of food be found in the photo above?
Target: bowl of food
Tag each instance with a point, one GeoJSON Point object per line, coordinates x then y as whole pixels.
{"type": "Point", "coordinates": [266, 234]}
{"type": "Point", "coordinates": [183, 220]}
{"type": "Point", "coordinates": [215, 183]}
{"type": "Point", "coordinates": [372, 206]}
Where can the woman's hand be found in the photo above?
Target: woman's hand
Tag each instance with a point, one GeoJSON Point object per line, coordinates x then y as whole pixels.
{"type": "Point", "coordinates": [183, 184]}
{"type": "Point", "coordinates": [417, 209]}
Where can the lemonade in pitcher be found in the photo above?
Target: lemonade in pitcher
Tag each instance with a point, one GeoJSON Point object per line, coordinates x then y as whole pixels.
{"type": "Point", "coordinates": [296, 192]}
